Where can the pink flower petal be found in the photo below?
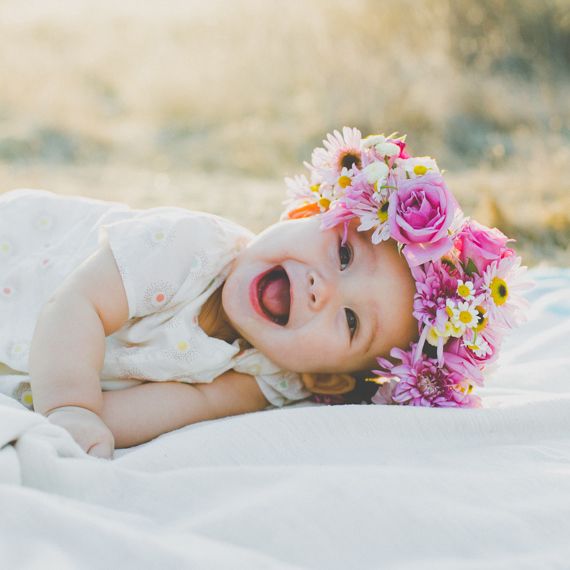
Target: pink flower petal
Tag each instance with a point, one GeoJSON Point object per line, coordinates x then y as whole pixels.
{"type": "Point", "coordinates": [416, 254]}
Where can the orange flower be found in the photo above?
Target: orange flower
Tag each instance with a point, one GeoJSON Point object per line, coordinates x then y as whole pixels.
{"type": "Point", "coordinates": [304, 211]}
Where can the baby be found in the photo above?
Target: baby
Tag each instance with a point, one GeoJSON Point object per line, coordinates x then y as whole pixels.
{"type": "Point", "coordinates": [132, 323]}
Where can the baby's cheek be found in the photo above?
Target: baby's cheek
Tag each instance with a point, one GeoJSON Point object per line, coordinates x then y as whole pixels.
{"type": "Point", "coordinates": [327, 357]}
{"type": "Point", "coordinates": [405, 332]}
{"type": "Point", "coordinates": [299, 353]}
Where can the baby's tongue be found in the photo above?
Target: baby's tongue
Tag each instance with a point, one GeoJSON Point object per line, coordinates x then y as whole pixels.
{"type": "Point", "coordinates": [275, 295]}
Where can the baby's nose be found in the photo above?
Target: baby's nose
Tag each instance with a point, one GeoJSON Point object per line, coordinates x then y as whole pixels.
{"type": "Point", "coordinates": [319, 291]}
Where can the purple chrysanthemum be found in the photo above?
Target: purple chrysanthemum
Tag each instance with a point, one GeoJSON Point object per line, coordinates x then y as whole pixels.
{"type": "Point", "coordinates": [434, 285]}
{"type": "Point", "coordinates": [425, 383]}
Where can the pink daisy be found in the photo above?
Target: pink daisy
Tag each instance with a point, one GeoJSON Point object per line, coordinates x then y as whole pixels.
{"type": "Point", "coordinates": [372, 210]}
{"type": "Point", "coordinates": [341, 151]}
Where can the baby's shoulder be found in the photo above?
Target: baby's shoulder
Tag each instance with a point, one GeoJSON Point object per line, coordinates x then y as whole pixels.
{"type": "Point", "coordinates": [194, 220]}
{"type": "Point", "coordinates": [178, 230]}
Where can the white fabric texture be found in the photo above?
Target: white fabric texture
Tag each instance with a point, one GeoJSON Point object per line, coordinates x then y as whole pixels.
{"type": "Point", "coordinates": [313, 486]}
{"type": "Point", "coordinates": [171, 260]}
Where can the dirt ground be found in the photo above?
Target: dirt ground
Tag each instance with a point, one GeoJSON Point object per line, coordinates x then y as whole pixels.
{"type": "Point", "coordinates": [208, 105]}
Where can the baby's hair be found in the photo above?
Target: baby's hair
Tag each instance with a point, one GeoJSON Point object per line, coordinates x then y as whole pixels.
{"type": "Point", "coordinates": [362, 393]}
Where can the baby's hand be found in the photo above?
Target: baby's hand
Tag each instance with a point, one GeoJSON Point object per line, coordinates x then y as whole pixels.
{"type": "Point", "coordinates": [87, 429]}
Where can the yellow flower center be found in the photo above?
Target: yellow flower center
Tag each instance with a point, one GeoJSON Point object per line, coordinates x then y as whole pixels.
{"type": "Point", "coordinates": [315, 187]}
{"type": "Point", "coordinates": [465, 389]}
{"type": "Point", "coordinates": [383, 211]}
{"type": "Point", "coordinates": [455, 331]}
{"type": "Point", "coordinates": [324, 203]}
{"type": "Point", "coordinates": [344, 181]}
{"type": "Point", "coordinates": [482, 318]}
{"type": "Point", "coordinates": [499, 291]}
{"type": "Point", "coordinates": [432, 336]}
{"type": "Point", "coordinates": [449, 311]}
{"type": "Point", "coordinates": [465, 317]}
{"type": "Point", "coordinates": [420, 169]}
{"type": "Point", "coordinates": [464, 291]}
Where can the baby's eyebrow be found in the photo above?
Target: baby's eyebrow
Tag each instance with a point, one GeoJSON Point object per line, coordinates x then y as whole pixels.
{"type": "Point", "coordinates": [364, 244]}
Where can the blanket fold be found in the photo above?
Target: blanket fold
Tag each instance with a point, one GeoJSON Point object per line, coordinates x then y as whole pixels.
{"type": "Point", "coordinates": [310, 486]}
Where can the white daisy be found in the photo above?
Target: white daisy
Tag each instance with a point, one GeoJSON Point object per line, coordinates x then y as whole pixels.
{"type": "Point", "coordinates": [434, 334]}
{"type": "Point", "coordinates": [479, 346]}
{"type": "Point", "coordinates": [337, 182]}
{"type": "Point", "coordinates": [343, 181]}
{"type": "Point", "coordinates": [376, 173]}
{"type": "Point", "coordinates": [416, 166]}
{"type": "Point", "coordinates": [503, 284]}
{"type": "Point", "coordinates": [466, 289]}
{"type": "Point", "coordinates": [465, 315]}
{"type": "Point", "coordinates": [382, 145]}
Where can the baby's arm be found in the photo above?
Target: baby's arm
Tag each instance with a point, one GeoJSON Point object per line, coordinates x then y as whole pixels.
{"type": "Point", "coordinates": [68, 346]}
{"type": "Point", "coordinates": [67, 354]}
{"type": "Point", "coordinates": [141, 413]}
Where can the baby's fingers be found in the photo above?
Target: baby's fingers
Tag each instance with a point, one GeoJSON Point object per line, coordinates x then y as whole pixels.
{"type": "Point", "coordinates": [103, 449]}
{"type": "Point", "coordinates": [86, 428]}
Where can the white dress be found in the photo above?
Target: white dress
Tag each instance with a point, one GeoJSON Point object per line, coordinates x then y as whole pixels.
{"type": "Point", "coordinates": [170, 259]}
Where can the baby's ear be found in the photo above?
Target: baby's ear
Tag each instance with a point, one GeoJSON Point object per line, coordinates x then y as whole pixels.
{"type": "Point", "coordinates": [329, 383]}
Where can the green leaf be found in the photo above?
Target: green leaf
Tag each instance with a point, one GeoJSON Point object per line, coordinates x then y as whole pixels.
{"type": "Point", "coordinates": [470, 268]}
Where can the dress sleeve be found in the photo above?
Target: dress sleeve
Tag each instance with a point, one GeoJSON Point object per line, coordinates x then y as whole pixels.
{"type": "Point", "coordinates": [280, 387]}
{"type": "Point", "coordinates": [159, 250]}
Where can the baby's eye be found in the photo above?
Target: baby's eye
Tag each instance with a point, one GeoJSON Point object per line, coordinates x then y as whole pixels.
{"type": "Point", "coordinates": [345, 255]}
{"type": "Point", "coordinates": [352, 321]}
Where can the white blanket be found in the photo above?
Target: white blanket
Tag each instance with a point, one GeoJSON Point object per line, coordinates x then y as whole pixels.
{"type": "Point", "coordinates": [312, 486]}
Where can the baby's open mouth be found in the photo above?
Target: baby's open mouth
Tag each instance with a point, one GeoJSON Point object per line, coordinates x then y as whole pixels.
{"type": "Point", "coordinates": [274, 295]}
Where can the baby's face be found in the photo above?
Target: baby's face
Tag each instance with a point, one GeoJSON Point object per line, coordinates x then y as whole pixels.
{"type": "Point", "coordinates": [311, 304]}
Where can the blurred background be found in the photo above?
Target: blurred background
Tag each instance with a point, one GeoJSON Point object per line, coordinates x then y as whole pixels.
{"type": "Point", "coordinates": [208, 105]}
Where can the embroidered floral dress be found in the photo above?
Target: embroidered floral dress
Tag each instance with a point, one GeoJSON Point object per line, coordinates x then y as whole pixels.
{"type": "Point", "coordinates": [170, 260]}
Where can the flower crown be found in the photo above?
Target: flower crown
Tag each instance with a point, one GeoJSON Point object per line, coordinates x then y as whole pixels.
{"type": "Point", "coordinates": [468, 280]}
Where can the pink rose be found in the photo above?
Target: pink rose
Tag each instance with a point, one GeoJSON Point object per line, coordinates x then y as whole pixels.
{"type": "Point", "coordinates": [481, 244]}
{"type": "Point", "coordinates": [419, 214]}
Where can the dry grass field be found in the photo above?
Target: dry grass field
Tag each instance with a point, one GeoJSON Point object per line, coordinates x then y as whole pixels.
{"type": "Point", "coordinates": [209, 104]}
